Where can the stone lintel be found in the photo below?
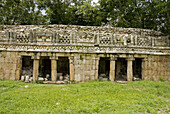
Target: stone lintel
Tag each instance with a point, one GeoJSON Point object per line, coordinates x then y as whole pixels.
{"type": "Point", "coordinates": [35, 57]}
{"type": "Point", "coordinates": [130, 59]}
{"type": "Point", "coordinates": [144, 59]}
{"type": "Point", "coordinates": [113, 58]}
{"type": "Point", "coordinates": [54, 57]}
{"type": "Point", "coordinates": [71, 59]}
{"type": "Point", "coordinates": [97, 58]}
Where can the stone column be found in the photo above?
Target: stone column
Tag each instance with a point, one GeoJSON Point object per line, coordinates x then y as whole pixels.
{"type": "Point", "coordinates": [97, 68]}
{"type": "Point", "coordinates": [71, 63]}
{"type": "Point", "coordinates": [53, 68]}
{"type": "Point", "coordinates": [130, 69]}
{"type": "Point", "coordinates": [112, 68]}
{"type": "Point", "coordinates": [35, 67]}
{"type": "Point", "coordinates": [18, 68]}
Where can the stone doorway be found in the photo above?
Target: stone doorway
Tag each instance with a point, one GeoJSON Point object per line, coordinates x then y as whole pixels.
{"type": "Point", "coordinates": [104, 68]}
{"type": "Point", "coordinates": [137, 69]}
{"type": "Point", "coordinates": [27, 68]}
{"type": "Point", "coordinates": [63, 68]}
{"type": "Point", "coordinates": [121, 70]}
{"type": "Point", "coordinates": [45, 67]}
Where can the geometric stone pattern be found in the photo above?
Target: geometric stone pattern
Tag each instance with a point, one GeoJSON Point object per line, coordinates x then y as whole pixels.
{"type": "Point", "coordinates": [84, 46]}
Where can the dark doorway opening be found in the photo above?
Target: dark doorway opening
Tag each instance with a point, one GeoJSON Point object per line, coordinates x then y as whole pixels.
{"type": "Point", "coordinates": [137, 69]}
{"type": "Point", "coordinates": [45, 67]}
{"type": "Point", "coordinates": [104, 68]}
{"type": "Point", "coordinates": [63, 68]}
{"type": "Point", "coordinates": [27, 67]}
{"type": "Point", "coordinates": [121, 69]}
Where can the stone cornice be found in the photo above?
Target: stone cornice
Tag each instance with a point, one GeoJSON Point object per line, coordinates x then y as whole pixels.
{"type": "Point", "coordinates": [84, 49]}
{"type": "Point", "coordinates": [83, 39]}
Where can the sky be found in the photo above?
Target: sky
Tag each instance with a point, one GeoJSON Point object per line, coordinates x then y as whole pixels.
{"type": "Point", "coordinates": [95, 1]}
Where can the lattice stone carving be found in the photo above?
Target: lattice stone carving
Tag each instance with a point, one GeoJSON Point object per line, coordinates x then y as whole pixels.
{"type": "Point", "coordinates": [64, 39]}
{"type": "Point", "coordinates": [143, 42]}
{"type": "Point", "coordinates": [22, 38]}
{"type": "Point", "coordinates": [105, 39]}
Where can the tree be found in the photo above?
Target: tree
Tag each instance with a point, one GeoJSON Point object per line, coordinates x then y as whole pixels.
{"type": "Point", "coordinates": [20, 12]}
{"type": "Point", "coordinates": [147, 14]}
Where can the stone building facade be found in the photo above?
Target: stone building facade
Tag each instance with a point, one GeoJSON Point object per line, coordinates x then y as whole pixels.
{"type": "Point", "coordinates": [82, 53]}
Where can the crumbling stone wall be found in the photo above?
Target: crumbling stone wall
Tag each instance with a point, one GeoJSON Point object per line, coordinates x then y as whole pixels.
{"type": "Point", "coordinates": [156, 68]}
{"type": "Point", "coordinates": [85, 67]}
{"type": "Point", "coordinates": [9, 64]}
{"type": "Point", "coordinates": [84, 46]}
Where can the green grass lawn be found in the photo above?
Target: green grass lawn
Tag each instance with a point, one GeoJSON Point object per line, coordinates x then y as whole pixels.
{"type": "Point", "coordinates": [89, 97]}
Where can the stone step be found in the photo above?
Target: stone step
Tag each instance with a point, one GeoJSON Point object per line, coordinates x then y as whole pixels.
{"type": "Point", "coordinates": [55, 82]}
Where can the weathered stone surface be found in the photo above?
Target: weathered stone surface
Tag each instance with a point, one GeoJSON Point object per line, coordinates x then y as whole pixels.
{"type": "Point", "coordinates": [83, 47]}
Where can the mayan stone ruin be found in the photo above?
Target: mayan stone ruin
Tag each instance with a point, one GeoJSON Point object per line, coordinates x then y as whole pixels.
{"type": "Point", "coordinates": [81, 53]}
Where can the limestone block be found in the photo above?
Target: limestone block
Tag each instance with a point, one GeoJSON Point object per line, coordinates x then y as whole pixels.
{"type": "Point", "coordinates": [61, 78]}
{"type": "Point", "coordinates": [27, 78]}
{"type": "Point", "coordinates": [87, 67]}
{"type": "Point", "coordinates": [1, 76]}
{"type": "Point", "coordinates": [7, 74]}
{"type": "Point", "coordinates": [87, 62]}
{"type": "Point", "coordinates": [1, 59]}
{"type": "Point", "coordinates": [31, 79]}
{"type": "Point", "coordinates": [93, 62]}
{"type": "Point", "coordinates": [40, 79]}
{"type": "Point", "coordinates": [93, 67]}
{"type": "Point", "coordinates": [8, 54]}
{"type": "Point", "coordinates": [82, 76]}
{"type": "Point", "coordinates": [92, 77]}
{"type": "Point", "coordinates": [22, 78]}
{"type": "Point", "coordinates": [45, 79]}
{"type": "Point", "coordinates": [12, 66]}
{"type": "Point", "coordinates": [47, 76]}
{"type": "Point", "coordinates": [87, 78]}
{"type": "Point", "coordinates": [92, 73]}
{"type": "Point", "coordinates": [77, 77]}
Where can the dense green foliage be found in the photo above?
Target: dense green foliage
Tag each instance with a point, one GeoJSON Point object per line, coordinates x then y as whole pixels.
{"type": "Point", "coordinates": [90, 97]}
{"type": "Point", "coordinates": [147, 14]}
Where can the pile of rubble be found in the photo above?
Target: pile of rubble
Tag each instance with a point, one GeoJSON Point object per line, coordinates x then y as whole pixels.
{"type": "Point", "coordinates": [62, 77]}
{"type": "Point", "coordinates": [103, 77]}
{"type": "Point", "coordinates": [27, 77]}
{"type": "Point", "coordinates": [27, 74]}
